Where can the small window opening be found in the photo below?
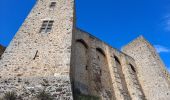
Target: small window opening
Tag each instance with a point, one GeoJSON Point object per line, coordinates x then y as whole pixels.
{"type": "Point", "coordinates": [86, 67]}
{"type": "Point", "coordinates": [53, 4]}
{"type": "Point", "coordinates": [98, 57]}
{"type": "Point", "coordinates": [100, 72]}
{"type": "Point", "coordinates": [132, 67]}
{"type": "Point", "coordinates": [46, 26]}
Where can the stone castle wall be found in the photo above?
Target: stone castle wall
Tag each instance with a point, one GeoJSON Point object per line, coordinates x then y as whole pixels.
{"type": "Point", "coordinates": [150, 69]}
{"type": "Point", "coordinates": [32, 54]}
{"type": "Point", "coordinates": [102, 71]}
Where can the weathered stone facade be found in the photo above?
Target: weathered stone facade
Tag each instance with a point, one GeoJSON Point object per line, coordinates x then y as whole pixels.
{"type": "Point", "coordinates": [102, 71]}
{"type": "Point", "coordinates": [69, 62]}
{"type": "Point", "coordinates": [37, 56]}
{"type": "Point", "coordinates": [152, 74]}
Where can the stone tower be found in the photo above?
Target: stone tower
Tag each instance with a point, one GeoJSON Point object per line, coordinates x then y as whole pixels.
{"type": "Point", "coordinates": [151, 70]}
{"type": "Point", "coordinates": [39, 55]}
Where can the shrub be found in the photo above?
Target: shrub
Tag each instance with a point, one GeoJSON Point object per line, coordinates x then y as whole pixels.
{"type": "Point", "coordinates": [43, 95]}
{"type": "Point", "coordinates": [10, 96]}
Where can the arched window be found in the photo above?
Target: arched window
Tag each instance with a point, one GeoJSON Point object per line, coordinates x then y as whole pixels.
{"type": "Point", "coordinates": [82, 52]}
{"type": "Point", "coordinates": [120, 76]}
{"type": "Point", "coordinates": [101, 51]}
{"type": "Point", "coordinates": [83, 42]}
{"type": "Point", "coordinates": [102, 62]}
{"type": "Point", "coordinates": [117, 60]}
{"type": "Point", "coordinates": [133, 68]}
{"type": "Point", "coordinates": [80, 69]}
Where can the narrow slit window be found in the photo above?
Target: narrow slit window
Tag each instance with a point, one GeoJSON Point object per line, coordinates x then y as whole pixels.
{"type": "Point", "coordinates": [35, 55]}
{"type": "Point", "coordinates": [53, 4]}
{"type": "Point", "coordinates": [86, 67]}
{"type": "Point", "coordinates": [100, 72]}
{"type": "Point", "coordinates": [133, 68]}
{"type": "Point", "coordinates": [46, 26]}
{"type": "Point", "coordinates": [117, 60]}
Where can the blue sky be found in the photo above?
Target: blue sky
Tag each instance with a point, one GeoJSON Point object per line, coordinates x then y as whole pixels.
{"type": "Point", "coordinates": [116, 22]}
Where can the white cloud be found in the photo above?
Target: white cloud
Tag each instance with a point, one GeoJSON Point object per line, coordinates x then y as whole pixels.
{"type": "Point", "coordinates": [167, 22]}
{"type": "Point", "coordinates": [167, 25]}
{"type": "Point", "coordinates": [161, 49]}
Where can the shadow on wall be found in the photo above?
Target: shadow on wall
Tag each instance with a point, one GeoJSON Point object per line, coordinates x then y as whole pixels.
{"type": "Point", "coordinates": [2, 49]}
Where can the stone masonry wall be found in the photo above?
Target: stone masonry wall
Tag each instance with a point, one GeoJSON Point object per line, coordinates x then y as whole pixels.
{"type": "Point", "coordinates": [150, 69]}
{"type": "Point", "coordinates": [28, 88]}
{"type": "Point", "coordinates": [32, 54]}
{"type": "Point", "coordinates": [130, 70]}
{"type": "Point", "coordinates": [95, 72]}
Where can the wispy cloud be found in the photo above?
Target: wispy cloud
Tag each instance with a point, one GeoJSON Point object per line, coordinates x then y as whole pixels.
{"type": "Point", "coordinates": [161, 49]}
{"type": "Point", "coordinates": [167, 22]}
